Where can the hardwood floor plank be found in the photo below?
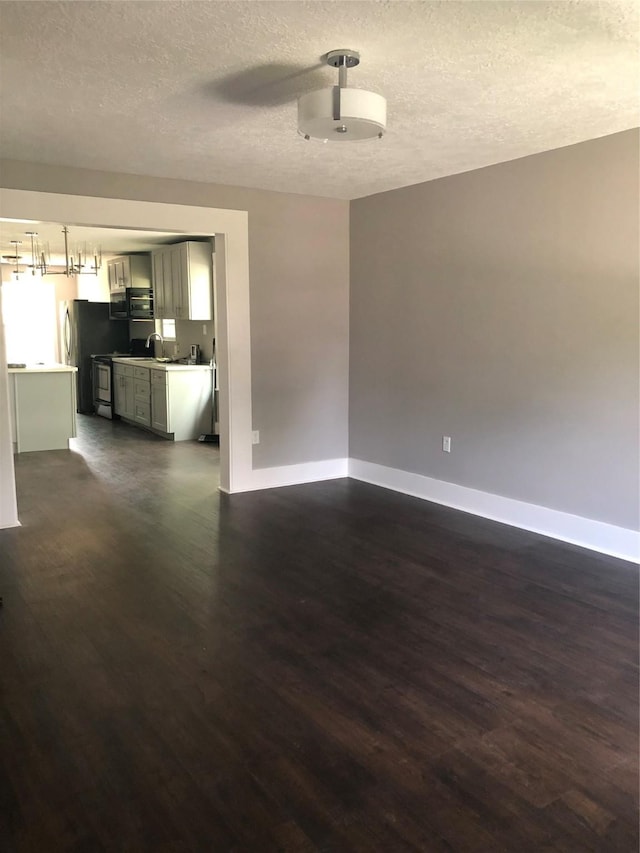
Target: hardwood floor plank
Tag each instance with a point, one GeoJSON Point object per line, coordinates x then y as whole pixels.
{"type": "Point", "coordinates": [330, 667]}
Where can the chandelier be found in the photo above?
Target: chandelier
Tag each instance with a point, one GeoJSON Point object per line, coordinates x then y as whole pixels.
{"type": "Point", "coordinates": [15, 258]}
{"type": "Point", "coordinates": [78, 259]}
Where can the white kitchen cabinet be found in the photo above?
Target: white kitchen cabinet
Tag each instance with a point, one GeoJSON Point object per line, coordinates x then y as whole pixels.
{"type": "Point", "coordinates": [163, 287]}
{"type": "Point", "coordinates": [163, 295]}
{"type": "Point", "coordinates": [141, 396]}
{"type": "Point", "coordinates": [158, 285]}
{"type": "Point", "coordinates": [112, 275]}
{"type": "Point", "coordinates": [123, 396]}
{"type": "Point", "coordinates": [142, 411]}
{"type": "Point", "coordinates": [42, 405]}
{"type": "Point", "coordinates": [129, 271]}
{"type": "Point", "coordinates": [172, 282]}
{"type": "Point", "coordinates": [182, 281]}
{"type": "Point", "coordinates": [173, 400]}
{"type": "Point", "coordinates": [181, 402]}
{"type": "Point", "coordinates": [159, 403]}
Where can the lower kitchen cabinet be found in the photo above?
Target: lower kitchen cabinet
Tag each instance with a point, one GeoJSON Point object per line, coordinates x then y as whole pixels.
{"type": "Point", "coordinates": [142, 412]}
{"type": "Point", "coordinates": [181, 402]}
{"type": "Point", "coordinates": [42, 407]}
{"type": "Point", "coordinates": [141, 396]}
{"type": "Point", "coordinates": [159, 406]}
{"type": "Point", "coordinates": [172, 401]}
{"type": "Point", "coordinates": [123, 393]}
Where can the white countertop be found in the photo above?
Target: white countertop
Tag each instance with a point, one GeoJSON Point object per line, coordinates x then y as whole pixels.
{"type": "Point", "coordinates": [160, 365]}
{"type": "Point", "coordinates": [44, 368]}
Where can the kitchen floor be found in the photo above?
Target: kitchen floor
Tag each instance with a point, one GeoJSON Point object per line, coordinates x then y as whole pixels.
{"type": "Point", "coordinates": [330, 667]}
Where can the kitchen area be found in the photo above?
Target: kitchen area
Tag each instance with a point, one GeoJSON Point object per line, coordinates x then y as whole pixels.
{"type": "Point", "coordinates": [107, 323]}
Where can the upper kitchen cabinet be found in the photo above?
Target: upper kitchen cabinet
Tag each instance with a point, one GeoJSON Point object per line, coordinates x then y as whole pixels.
{"type": "Point", "coordinates": [167, 281]}
{"type": "Point", "coordinates": [129, 271]}
{"type": "Point", "coordinates": [182, 281]}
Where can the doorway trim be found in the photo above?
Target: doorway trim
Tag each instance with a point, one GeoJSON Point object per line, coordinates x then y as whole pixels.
{"type": "Point", "coordinates": [230, 229]}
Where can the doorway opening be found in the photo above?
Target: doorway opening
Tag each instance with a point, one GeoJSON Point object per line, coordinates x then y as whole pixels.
{"type": "Point", "coordinates": [230, 231]}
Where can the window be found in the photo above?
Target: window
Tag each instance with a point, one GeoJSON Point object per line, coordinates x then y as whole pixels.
{"type": "Point", "coordinates": [29, 314]}
{"type": "Point", "coordinates": [167, 329]}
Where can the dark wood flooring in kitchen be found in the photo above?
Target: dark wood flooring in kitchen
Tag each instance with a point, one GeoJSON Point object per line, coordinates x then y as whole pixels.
{"type": "Point", "coordinates": [329, 667]}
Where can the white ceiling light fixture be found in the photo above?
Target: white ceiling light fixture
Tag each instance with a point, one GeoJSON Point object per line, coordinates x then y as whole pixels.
{"type": "Point", "coordinates": [341, 114]}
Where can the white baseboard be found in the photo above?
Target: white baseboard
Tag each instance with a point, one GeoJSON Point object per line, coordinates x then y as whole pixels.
{"type": "Point", "coordinates": [291, 475]}
{"type": "Point", "coordinates": [595, 535]}
{"type": "Point", "coordinates": [7, 526]}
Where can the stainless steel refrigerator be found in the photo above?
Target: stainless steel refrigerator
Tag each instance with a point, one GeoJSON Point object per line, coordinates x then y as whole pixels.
{"type": "Point", "coordinates": [86, 330]}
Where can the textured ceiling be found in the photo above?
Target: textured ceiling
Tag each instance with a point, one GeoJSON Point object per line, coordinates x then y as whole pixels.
{"type": "Point", "coordinates": [206, 91]}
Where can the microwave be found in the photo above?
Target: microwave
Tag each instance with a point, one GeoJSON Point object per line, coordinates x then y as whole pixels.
{"type": "Point", "coordinates": [132, 303]}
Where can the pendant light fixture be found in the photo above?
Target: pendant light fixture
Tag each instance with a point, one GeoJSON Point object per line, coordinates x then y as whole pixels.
{"type": "Point", "coordinates": [15, 258]}
{"type": "Point", "coordinates": [339, 113]}
{"type": "Point", "coordinates": [80, 264]}
{"type": "Point", "coordinates": [38, 261]}
{"type": "Point", "coordinates": [76, 261]}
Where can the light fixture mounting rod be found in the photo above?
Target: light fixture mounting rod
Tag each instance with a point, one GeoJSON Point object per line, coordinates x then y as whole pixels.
{"type": "Point", "coordinates": [33, 235]}
{"type": "Point", "coordinates": [68, 266]}
{"type": "Point", "coordinates": [342, 59]}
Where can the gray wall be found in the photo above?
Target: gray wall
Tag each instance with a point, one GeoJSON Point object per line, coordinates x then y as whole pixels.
{"type": "Point", "coordinates": [500, 307]}
{"type": "Point", "coordinates": [299, 270]}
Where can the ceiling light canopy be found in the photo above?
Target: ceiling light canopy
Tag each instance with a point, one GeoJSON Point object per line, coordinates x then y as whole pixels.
{"type": "Point", "coordinates": [341, 114]}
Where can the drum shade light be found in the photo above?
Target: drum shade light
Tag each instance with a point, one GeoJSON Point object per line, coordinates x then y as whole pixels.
{"type": "Point", "coordinates": [341, 114]}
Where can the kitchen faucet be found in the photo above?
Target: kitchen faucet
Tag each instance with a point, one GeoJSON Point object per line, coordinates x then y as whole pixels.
{"type": "Point", "coordinates": [160, 338]}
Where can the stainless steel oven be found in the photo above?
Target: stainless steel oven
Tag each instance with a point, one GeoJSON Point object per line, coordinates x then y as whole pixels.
{"type": "Point", "coordinates": [103, 385]}
{"type": "Point", "coordinates": [102, 375]}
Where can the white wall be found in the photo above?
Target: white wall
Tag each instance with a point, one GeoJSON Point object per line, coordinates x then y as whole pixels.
{"type": "Point", "coordinates": [95, 288]}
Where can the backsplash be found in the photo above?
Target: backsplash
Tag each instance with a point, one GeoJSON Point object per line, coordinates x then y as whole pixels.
{"type": "Point", "coordinates": [188, 332]}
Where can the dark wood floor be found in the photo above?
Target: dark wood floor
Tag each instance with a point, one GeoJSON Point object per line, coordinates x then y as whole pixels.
{"type": "Point", "coordinates": [329, 667]}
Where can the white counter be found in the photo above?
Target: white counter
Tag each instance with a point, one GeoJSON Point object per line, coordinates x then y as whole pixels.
{"type": "Point", "coordinates": [42, 402]}
{"type": "Point", "coordinates": [169, 366]}
{"type": "Point", "coordinates": [44, 368]}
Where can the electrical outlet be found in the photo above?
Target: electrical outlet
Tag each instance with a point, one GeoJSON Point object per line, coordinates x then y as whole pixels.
{"type": "Point", "coordinates": [446, 443]}
{"type": "Point", "coordinates": [255, 436]}
{"type": "Point", "coordinates": [204, 328]}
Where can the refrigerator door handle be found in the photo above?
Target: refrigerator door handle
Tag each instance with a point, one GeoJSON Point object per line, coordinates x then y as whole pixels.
{"type": "Point", "coordinates": [67, 336]}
